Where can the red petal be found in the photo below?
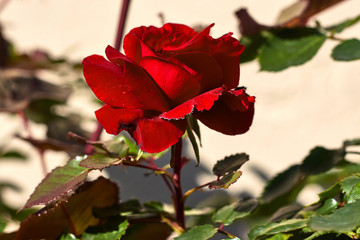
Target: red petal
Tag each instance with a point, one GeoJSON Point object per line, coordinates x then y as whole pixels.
{"type": "Point", "coordinates": [135, 48]}
{"type": "Point", "coordinates": [177, 83]}
{"type": "Point", "coordinates": [114, 120]}
{"type": "Point", "coordinates": [202, 102]}
{"type": "Point", "coordinates": [124, 84]}
{"type": "Point", "coordinates": [232, 114]}
{"type": "Point", "coordinates": [209, 72]}
{"type": "Point", "coordinates": [226, 50]}
{"type": "Point", "coordinates": [155, 135]}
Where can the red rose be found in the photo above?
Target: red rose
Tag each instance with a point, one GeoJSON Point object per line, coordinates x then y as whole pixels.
{"type": "Point", "coordinates": [166, 74]}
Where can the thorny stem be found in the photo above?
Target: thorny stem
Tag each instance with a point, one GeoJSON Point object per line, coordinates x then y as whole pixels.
{"type": "Point", "coordinates": [119, 35]}
{"type": "Point", "coordinates": [178, 197]}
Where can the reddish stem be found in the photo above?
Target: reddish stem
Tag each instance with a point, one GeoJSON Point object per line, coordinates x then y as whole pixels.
{"type": "Point", "coordinates": [178, 197]}
{"type": "Point", "coordinates": [121, 26]}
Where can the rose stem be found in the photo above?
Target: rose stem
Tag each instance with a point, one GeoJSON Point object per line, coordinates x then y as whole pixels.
{"type": "Point", "coordinates": [178, 197]}
{"type": "Point", "coordinates": [120, 32]}
{"type": "Point", "coordinates": [121, 26]}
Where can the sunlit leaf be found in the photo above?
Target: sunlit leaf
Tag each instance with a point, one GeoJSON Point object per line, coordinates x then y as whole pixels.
{"type": "Point", "coordinates": [348, 50]}
{"type": "Point", "coordinates": [273, 228]}
{"type": "Point", "coordinates": [329, 206]}
{"type": "Point", "coordinates": [341, 220]}
{"type": "Point", "coordinates": [350, 188]}
{"type": "Point", "coordinates": [68, 236]}
{"type": "Point", "coordinates": [226, 180]}
{"type": "Point", "coordinates": [228, 214]}
{"type": "Point", "coordinates": [330, 193]}
{"type": "Point", "coordinates": [58, 182]}
{"type": "Point", "coordinates": [73, 215]}
{"type": "Point", "coordinates": [202, 232]}
{"type": "Point", "coordinates": [100, 161]}
{"type": "Point", "coordinates": [278, 54]}
{"type": "Point", "coordinates": [279, 236]}
{"type": "Point", "coordinates": [108, 235]}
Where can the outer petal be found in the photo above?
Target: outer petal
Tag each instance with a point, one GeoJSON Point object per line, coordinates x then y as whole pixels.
{"type": "Point", "coordinates": [177, 82]}
{"type": "Point", "coordinates": [232, 114]}
{"type": "Point", "coordinates": [202, 102]}
{"type": "Point", "coordinates": [114, 120]}
{"type": "Point", "coordinates": [155, 135]}
{"type": "Point", "coordinates": [124, 84]}
{"type": "Point", "coordinates": [226, 50]}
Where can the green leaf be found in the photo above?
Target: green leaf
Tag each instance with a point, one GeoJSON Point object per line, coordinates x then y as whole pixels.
{"type": "Point", "coordinates": [351, 188]}
{"type": "Point", "coordinates": [59, 182]}
{"type": "Point", "coordinates": [320, 160]}
{"type": "Point", "coordinates": [77, 212]}
{"type": "Point", "coordinates": [345, 24]}
{"type": "Point", "coordinates": [278, 54]}
{"type": "Point", "coordinates": [348, 50]}
{"type": "Point", "coordinates": [230, 164]}
{"type": "Point", "coordinates": [13, 155]}
{"type": "Point", "coordinates": [252, 45]}
{"type": "Point", "coordinates": [279, 236]}
{"type": "Point", "coordinates": [342, 220]}
{"type": "Point", "coordinates": [68, 236]}
{"type": "Point", "coordinates": [354, 194]}
{"type": "Point", "coordinates": [100, 161]}
{"type": "Point", "coordinates": [274, 228]}
{"type": "Point", "coordinates": [2, 225]}
{"type": "Point", "coordinates": [282, 183]}
{"type": "Point", "coordinates": [329, 206]}
{"type": "Point", "coordinates": [228, 214]}
{"type": "Point", "coordinates": [202, 232]}
{"type": "Point", "coordinates": [330, 193]}
{"type": "Point", "coordinates": [192, 138]}
{"type": "Point", "coordinates": [226, 180]}
{"type": "Point", "coordinates": [154, 206]}
{"type": "Point", "coordinates": [108, 235]}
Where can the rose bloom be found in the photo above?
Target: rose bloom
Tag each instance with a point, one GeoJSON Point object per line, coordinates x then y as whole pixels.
{"type": "Point", "coordinates": [166, 74]}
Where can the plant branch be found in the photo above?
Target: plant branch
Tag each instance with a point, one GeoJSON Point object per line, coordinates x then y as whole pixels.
{"type": "Point", "coordinates": [121, 26]}
{"type": "Point", "coordinates": [189, 192]}
{"type": "Point", "coordinates": [153, 168]}
{"type": "Point", "coordinates": [221, 230]}
{"type": "Point", "coordinates": [178, 197]}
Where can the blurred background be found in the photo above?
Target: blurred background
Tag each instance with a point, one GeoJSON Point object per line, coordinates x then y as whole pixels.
{"type": "Point", "coordinates": [296, 109]}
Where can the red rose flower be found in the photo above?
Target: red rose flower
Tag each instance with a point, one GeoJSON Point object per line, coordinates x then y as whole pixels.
{"type": "Point", "coordinates": [166, 74]}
